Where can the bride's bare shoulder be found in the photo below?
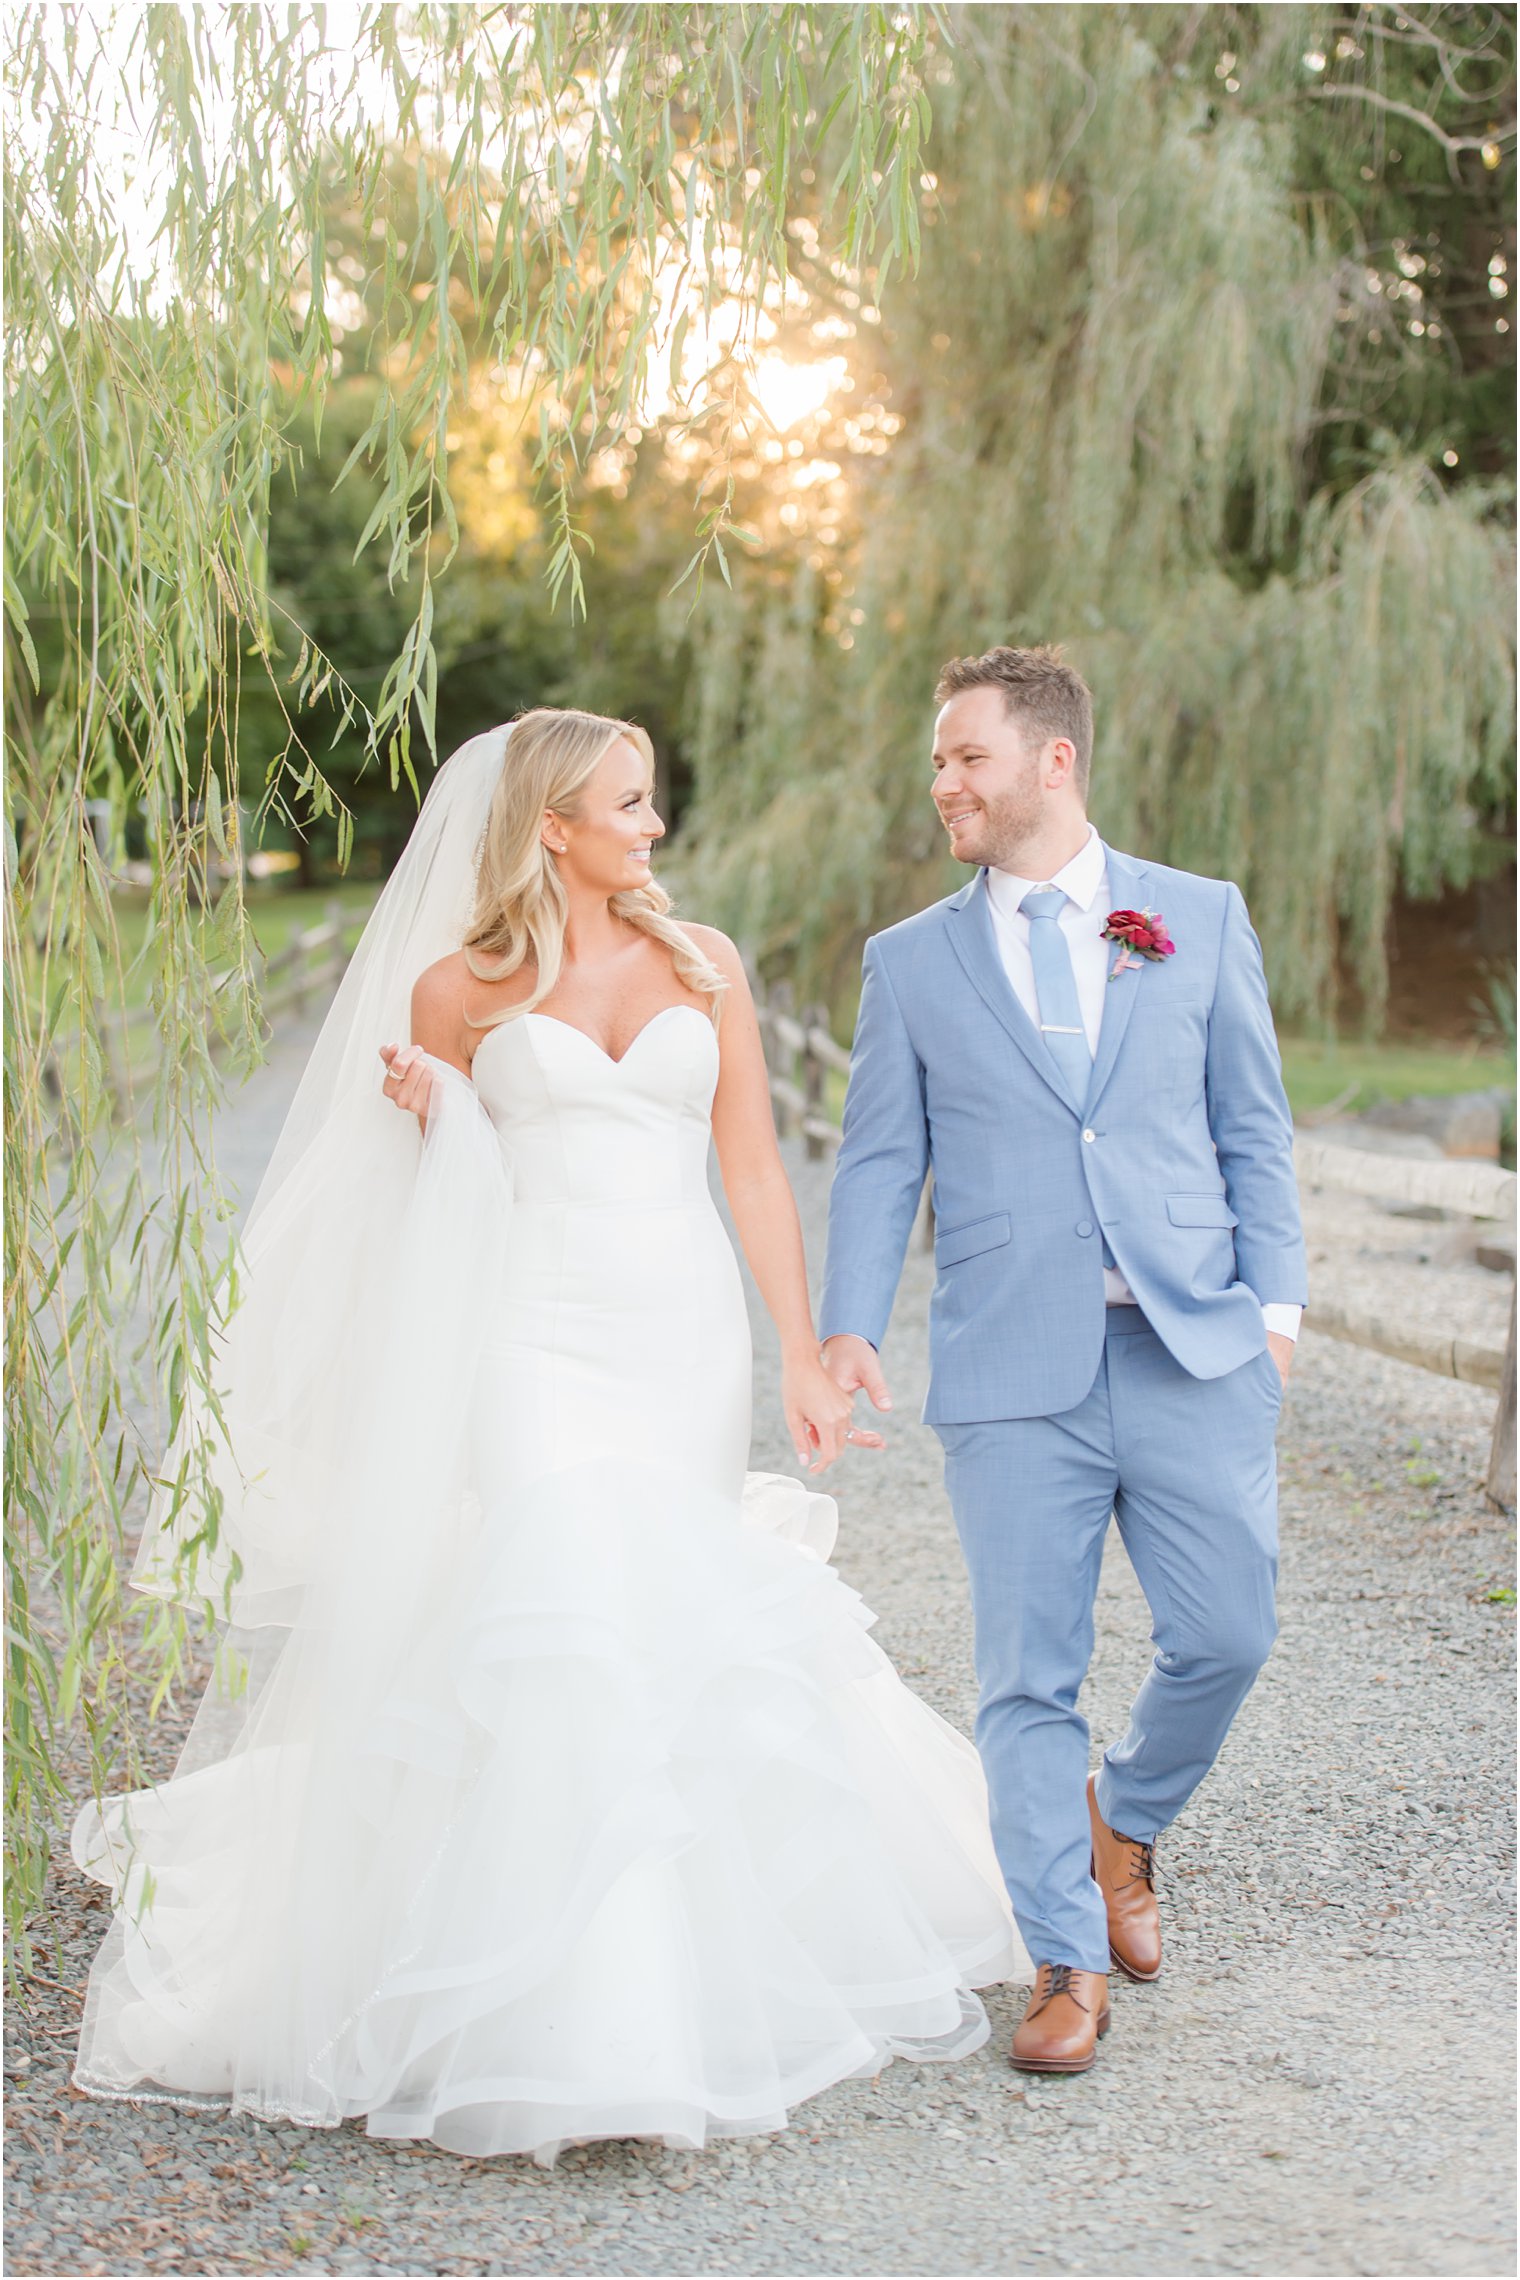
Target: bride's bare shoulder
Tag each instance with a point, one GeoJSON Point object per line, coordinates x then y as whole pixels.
{"type": "Point", "coordinates": [438, 1024]}
{"type": "Point", "coordinates": [442, 984]}
{"type": "Point", "coordinates": [715, 945]}
{"type": "Point", "coordinates": [450, 992]}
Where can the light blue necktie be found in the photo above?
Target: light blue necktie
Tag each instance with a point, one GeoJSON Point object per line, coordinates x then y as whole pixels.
{"type": "Point", "coordinates": [1055, 987]}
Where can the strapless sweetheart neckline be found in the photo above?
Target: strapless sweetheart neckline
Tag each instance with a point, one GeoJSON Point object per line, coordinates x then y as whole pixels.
{"type": "Point", "coordinates": [575, 1031]}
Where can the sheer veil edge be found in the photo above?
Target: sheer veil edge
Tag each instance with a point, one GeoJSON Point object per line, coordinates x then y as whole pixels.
{"type": "Point", "coordinates": [323, 1305]}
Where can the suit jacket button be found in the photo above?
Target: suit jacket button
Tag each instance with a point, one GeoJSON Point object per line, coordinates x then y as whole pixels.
{"type": "Point", "coordinates": [1089, 1134]}
{"type": "Point", "coordinates": [1084, 1226]}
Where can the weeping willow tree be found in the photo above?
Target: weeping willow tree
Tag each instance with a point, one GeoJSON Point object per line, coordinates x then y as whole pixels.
{"type": "Point", "coordinates": [1154, 395]}
{"type": "Point", "coordinates": [583, 184]}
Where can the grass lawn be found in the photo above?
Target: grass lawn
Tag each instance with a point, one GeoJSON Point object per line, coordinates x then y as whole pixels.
{"type": "Point", "coordinates": [276, 917]}
{"type": "Point", "coordinates": [1317, 1073]}
{"type": "Point", "coordinates": [276, 914]}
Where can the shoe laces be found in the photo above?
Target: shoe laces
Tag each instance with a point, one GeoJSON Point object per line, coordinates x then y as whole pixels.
{"type": "Point", "coordinates": [1059, 1983]}
{"type": "Point", "coordinates": [1142, 1859]}
{"type": "Point", "coordinates": [1142, 1865]}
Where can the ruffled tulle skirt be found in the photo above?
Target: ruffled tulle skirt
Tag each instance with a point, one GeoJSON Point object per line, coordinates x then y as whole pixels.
{"type": "Point", "coordinates": [642, 1836]}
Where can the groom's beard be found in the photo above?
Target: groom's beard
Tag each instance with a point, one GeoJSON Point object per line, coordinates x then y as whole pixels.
{"type": "Point", "coordinates": [1007, 824]}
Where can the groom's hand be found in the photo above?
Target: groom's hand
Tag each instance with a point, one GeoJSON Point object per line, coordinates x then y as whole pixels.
{"type": "Point", "coordinates": [851, 1362]}
{"type": "Point", "coordinates": [1281, 1351]}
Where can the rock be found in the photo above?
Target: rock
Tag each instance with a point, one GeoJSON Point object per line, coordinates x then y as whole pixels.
{"type": "Point", "coordinates": [1460, 1124]}
{"type": "Point", "coordinates": [1379, 1139]}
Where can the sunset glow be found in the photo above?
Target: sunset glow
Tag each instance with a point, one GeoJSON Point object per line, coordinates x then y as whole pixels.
{"type": "Point", "coordinates": [789, 392]}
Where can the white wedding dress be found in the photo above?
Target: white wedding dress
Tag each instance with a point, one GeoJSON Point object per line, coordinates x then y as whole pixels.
{"type": "Point", "coordinates": [578, 1803]}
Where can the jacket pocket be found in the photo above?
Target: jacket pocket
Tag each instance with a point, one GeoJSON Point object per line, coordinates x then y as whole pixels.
{"type": "Point", "coordinates": [1200, 1211]}
{"type": "Point", "coordinates": [953, 1243]}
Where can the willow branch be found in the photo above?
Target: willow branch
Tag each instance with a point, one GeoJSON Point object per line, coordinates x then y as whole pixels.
{"type": "Point", "coordinates": [1451, 144]}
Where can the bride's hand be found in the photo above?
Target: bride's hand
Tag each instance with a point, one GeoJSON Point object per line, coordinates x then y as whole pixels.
{"type": "Point", "coordinates": [818, 1413]}
{"type": "Point", "coordinates": [408, 1079]}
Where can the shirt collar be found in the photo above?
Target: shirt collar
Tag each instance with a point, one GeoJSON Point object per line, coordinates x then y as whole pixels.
{"type": "Point", "coordinates": [1080, 879]}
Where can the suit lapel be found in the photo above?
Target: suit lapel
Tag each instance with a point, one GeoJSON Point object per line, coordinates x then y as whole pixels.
{"type": "Point", "coordinates": [1126, 891]}
{"type": "Point", "coordinates": [970, 922]}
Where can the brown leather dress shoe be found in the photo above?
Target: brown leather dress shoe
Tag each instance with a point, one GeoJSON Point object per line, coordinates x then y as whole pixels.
{"type": "Point", "coordinates": [1124, 1869]}
{"type": "Point", "coordinates": [1067, 2012]}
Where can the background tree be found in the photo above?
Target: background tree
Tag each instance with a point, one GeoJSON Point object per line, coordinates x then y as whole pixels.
{"type": "Point", "coordinates": [502, 640]}
{"type": "Point", "coordinates": [1207, 377]}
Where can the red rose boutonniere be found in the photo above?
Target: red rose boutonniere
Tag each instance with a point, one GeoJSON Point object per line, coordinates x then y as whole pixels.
{"type": "Point", "coordinates": [1143, 934]}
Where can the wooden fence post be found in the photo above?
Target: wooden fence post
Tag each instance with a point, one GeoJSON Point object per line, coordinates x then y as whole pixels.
{"type": "Point", "coordinates": [813, 1079]}
{"type": "Point", "coordinates": [784, 1057]}
{"type": "Point", "coordinates": [298, 964]}
{"type": "Point", "coordinates": [332, 913]}
{"type": "Point", "coordinates": [1500, 1485]}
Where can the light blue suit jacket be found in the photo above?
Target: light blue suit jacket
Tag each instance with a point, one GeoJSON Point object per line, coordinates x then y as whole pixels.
{"type": "Point", "coordinates": [1181, 1153]}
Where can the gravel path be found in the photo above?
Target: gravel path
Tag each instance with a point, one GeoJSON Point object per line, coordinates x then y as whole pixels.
{"type": "Point", "coordinates": [1322, 2081]}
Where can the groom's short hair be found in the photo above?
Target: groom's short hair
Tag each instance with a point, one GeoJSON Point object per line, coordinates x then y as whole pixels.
{"type": "Point", "coordinates": [1041, 691]}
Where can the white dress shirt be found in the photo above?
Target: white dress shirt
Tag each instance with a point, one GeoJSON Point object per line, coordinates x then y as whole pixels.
{"type": "Point", "coordinates": [1082, 918]}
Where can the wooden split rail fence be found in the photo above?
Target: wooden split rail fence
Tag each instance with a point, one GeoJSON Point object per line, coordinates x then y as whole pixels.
{"type": "Point", "coordinates": [800, 1053]}
{"type": "Point", "coordinates": [304, 973]}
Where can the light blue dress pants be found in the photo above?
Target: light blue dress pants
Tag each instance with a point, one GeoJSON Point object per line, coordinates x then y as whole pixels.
{"type": "Point", "coordinates": [1188, 1468]}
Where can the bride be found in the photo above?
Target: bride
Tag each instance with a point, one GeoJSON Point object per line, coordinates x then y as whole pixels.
{"type": "Point", "coordinates": [548, 1786]}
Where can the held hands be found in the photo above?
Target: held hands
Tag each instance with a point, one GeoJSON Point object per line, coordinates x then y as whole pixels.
{"type": "Point", "coordinates": [825, 1391]}
{"type": "Point", "coordinates": [408, 1080]}
{"type": "Point", "coordinates": [818, 1412]}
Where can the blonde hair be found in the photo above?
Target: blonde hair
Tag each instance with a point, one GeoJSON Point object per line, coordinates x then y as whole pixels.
{"type": "Point", "coordinates": [520, 903]}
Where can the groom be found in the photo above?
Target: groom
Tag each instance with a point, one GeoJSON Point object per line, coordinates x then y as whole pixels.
{"type": "Point", "coordinates": [1080, 1047]}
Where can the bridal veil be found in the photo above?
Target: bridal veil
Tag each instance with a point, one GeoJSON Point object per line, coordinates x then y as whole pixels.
{"type": "Point", "coordinates": [365, 1272]}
